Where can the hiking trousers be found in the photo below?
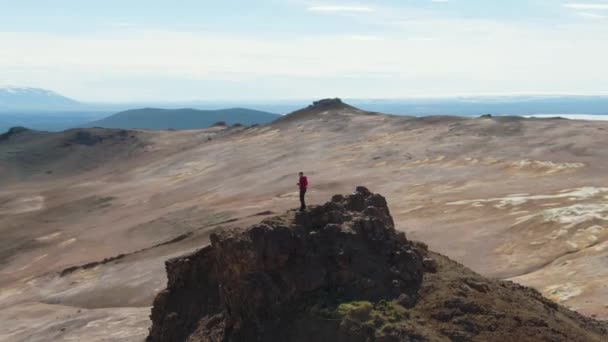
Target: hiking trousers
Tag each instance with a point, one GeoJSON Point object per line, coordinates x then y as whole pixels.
{"type": "Point", "coordinates": [302, 200]}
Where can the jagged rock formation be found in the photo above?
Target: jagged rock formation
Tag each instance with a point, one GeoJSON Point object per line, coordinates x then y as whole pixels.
{"type": "Point", "coordinates": [327, 103]}
{"type": "Point", "coordinates": [341, 272]}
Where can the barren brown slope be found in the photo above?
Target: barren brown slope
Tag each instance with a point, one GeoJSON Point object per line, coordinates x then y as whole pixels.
{"type": "Point", "coordinates": [510, 198]}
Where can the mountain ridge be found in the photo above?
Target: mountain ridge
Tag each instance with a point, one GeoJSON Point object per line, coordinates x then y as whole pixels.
{"type": "Point", "coordinates": [182, 118]}
{"type": "Point", "coordinates": [12, 97]}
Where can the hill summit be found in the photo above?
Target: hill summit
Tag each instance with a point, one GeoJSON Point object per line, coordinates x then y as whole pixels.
{"type": "Point", "coordinates": [333, 107]}
{"type": "Point", "coordinates": [341, 272]}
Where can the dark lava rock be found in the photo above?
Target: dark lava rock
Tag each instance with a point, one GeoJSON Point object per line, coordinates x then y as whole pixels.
{"type": "Point", "coordinates": [254, 279]}
{"type": "Point", "coordinates": [341, 272]}
{"type": "Point", "coordinates": [93, 137]}
{"type": "Point", "coordinates": [326, 103]}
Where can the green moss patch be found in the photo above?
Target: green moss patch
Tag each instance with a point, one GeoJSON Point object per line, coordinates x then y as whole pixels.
{"type": "Point", "coordinates": [379, 319]}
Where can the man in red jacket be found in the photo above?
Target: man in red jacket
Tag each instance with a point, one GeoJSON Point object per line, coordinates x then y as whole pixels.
{"type": "Point", "coordinates": [303, 183]}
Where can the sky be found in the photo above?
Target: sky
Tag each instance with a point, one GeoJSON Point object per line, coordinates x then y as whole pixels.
{"type": "Point", "coordinates": [182, 50]}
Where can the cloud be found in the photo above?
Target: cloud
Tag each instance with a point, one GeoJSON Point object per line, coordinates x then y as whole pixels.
{"type": "Point", "coordinates": [422, 39]}
{"type": "Point", "coordinates": [587, 6]}
{"type": "Point", "coordinates": [122, 24]}
{"type": "Point", "coordinates": [341, 9]}
{"type": "Point", "coordinates": [365, 38]}
{"type": "Point", "coordinates": [417, 57]}
{"type": "Point", "coordinates": [592, 15]}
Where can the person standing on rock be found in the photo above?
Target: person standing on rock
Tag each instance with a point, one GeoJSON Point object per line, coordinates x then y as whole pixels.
{"type": "Point", "coordinates": [303, 184]}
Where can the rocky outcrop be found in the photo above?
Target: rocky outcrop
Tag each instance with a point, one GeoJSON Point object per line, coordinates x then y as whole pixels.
{"type": "Point", "coordinates": [12, 131]}
{"type": "Point", "coordinates": [341, 272]}
{"type": "Point", "coordinates": [327, 103]}
{"type": "Point", "coordinates": [91, 137]}
{"type": "Point", "coordinates": [335, 107]}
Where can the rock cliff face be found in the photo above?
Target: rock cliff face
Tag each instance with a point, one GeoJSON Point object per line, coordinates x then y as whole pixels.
{"type": "Point", "coordinates": [340, 272]}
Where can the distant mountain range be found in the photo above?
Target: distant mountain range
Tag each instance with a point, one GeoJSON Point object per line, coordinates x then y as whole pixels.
{"type": "Point", "coordinates": [43, 109]}
{"type": "Point", "coordinates": [33, 98]}
{"type": "Point", "coordinates": [187, 118]}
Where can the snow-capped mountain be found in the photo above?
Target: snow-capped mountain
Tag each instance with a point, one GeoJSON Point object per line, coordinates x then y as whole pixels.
{"type": "Point", "coordinates": [33, 98]}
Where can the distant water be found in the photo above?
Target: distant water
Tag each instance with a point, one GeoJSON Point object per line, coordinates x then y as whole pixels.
{"type": "Point", "coordinates": [595, 117]}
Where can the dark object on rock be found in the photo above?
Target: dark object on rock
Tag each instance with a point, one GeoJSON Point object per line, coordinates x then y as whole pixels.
{"type": "Point", "coordinates": [341, 272]}
{"type": "Point", "coordinates": [337, 198]}
{"type": "Point", "coordinates": [486, 116]}
{"type": "Point", "coordinates": [363, 190]}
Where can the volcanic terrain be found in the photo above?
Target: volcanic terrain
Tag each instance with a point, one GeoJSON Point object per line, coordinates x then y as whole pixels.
{"type": "Point", "coordinates": [89, 216]}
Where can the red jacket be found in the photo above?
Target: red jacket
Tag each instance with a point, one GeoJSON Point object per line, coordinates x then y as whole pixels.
{"type": "Point", "coordinates": [303, 183]}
